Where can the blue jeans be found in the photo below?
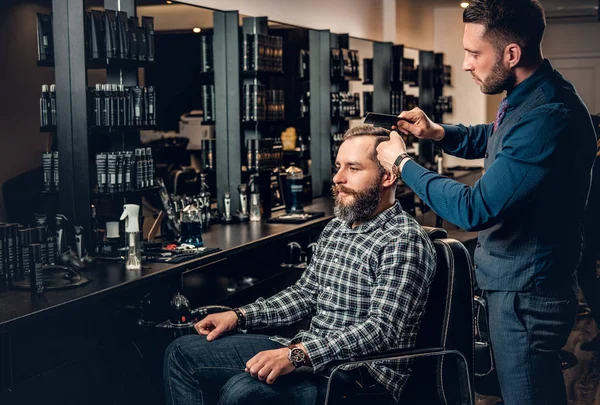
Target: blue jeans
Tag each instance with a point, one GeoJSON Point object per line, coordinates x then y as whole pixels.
{"type": "Point", "coordinates": [527, 330]}
{"type": "Point", "coordinates": [199, 372]}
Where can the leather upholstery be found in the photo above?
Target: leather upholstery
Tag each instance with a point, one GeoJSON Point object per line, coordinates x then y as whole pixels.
{"type": "Point", "coordinates": [435, 233]}
{"type": "Point", "coordinates": [447, 324]}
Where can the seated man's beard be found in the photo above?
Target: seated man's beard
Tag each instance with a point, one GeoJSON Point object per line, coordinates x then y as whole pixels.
{"type": "Point", "coordinates": [360, 209]}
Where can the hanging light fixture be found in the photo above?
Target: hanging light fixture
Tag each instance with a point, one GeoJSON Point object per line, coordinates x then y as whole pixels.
{"type": "Point", "coordinates": [464, 4]}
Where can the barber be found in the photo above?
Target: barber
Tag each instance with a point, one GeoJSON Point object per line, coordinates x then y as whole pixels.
{"type": "Point", "coordinates": [529, 205]}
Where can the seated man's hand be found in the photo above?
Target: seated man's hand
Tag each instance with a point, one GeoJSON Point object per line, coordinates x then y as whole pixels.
{"type": "Point", "coordinates": [214, 325]}
{"type": "Point", "coordinates": [270, 364]}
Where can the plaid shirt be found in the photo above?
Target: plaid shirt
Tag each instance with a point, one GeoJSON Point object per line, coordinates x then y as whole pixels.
{"type": "Point", "coordinates": [366, 290]}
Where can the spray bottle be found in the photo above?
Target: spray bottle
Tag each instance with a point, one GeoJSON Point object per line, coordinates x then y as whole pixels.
{"type": "Point", "coordinates": [131, 214]}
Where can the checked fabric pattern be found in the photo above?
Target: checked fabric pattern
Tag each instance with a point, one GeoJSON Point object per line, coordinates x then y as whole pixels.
{"type": "Point", "coordinates": [366, 290]}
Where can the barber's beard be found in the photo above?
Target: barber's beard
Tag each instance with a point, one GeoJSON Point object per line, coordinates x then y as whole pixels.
{"type": "Point", "coordinates": [362, 205]}
{"type": "Point", "coordinates": [500, 79]}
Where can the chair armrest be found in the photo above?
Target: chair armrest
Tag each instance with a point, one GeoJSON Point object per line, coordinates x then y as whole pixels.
{"type": "Point", "coordinates": [388, 355]}
{"type": "Point", "coordinates": [396, 355]}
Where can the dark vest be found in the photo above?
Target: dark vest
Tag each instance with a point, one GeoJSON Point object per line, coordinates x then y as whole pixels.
{"type": "Point", "coordinates": [505, 254]}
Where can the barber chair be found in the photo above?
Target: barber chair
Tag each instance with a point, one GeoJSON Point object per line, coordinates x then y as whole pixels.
{"type": "Point", "coordinates": [442, 369]}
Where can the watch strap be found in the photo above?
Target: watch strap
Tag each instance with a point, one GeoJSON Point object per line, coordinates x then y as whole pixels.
{"type": "Point", "coordinates": [241, 318]}
{"type": "Point", "coordinates": [400, 158]}
{"type": "Point", "coordinates": [398, 162]}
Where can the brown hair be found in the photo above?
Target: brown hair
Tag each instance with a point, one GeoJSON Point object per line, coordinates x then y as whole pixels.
{"type": "Point", "coordinates": [510, 21]}
{"type": "Point", "coordinates": [380, 135]}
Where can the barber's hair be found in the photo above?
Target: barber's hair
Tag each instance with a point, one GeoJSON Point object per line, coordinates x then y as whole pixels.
{"type": "Point", "coordinates": [510, 21]}
{"type": "Point", "coordinates": [380, 135]}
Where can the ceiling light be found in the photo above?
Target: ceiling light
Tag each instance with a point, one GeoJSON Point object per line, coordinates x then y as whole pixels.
{"type": "Point", "coordinates": [196, 30]}
{"type": "Point", "coordinates": [169, 2]}
{"type": "Point", "coordinates": [464, 5]}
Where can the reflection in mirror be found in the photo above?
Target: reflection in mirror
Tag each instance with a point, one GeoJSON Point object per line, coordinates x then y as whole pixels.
{"type": "Point", "coordinates": [363, 88]}
{"type": "Point", "coordinates": [184, 143]}
{"type": "Point", "coordinates": [27, 105]}
{"type": "Point", "coordinates": [275, 111]}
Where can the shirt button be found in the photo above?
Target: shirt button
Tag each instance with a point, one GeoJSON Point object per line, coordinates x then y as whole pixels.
{"type": "Point", "coordinates": [486, 155]}
{"type": "Point", "coordinates": [328, 288]}
{"type": "Point", "coordinates": [336, 260]}
{"type": "Point", "coordinates": [478, 244]}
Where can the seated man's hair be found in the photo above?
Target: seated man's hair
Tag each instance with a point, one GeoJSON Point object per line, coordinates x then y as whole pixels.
{"type": "Point", "coordinates": [380, 135]}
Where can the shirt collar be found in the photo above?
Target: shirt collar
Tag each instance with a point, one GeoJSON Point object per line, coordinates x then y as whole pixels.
{"type": "Point", "coordinates": [376, 222]}
{"type": "Point", "coordinates": [517, 95]}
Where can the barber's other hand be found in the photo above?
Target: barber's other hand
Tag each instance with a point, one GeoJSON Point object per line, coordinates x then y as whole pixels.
{"type": "Point", "coordinates": [388, 151]}
{"type": "Point", "coordinates": [214, 325]}
{"type": "Point", "coordinates": [270, 364]}
{"type": "Point", "coordinates": [417, 123]}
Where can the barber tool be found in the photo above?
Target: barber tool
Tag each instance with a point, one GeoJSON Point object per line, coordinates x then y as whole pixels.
{"type": "Point", "coordinates": [254, 199]}
{"type": "Point", "coordinates": [227, 218]}
{"type": "Point", "coordinates": [243, 212]}
{"type": "Point", "coordinates": [62, 242]}
{"type": "Point", "coordinates": [130, 215]}
{"type": "Point", "coordinates": [80, 246]}
{"type": "Point", "coordinates": [386, 121]}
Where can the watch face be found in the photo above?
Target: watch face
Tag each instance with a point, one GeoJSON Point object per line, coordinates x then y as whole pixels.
{"type": "Point", "coordinates": [297, 356]}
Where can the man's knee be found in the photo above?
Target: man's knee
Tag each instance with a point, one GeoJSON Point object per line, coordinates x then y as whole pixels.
{"type": "Point", "coordinates": [179, 348]}
{"type": "Point", "coordinates": [243, 389]}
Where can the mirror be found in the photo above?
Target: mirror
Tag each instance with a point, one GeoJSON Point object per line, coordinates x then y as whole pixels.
{"type": "Point", "coordinates": [23, 74]}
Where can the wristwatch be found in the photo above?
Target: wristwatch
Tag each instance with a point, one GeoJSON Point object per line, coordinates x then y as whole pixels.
{"type": "Point", "coordinates": [398, 162]}
{"type": "Point", "coordinates": [241, 318]}
{"type": "Point", "coordinates": [297, 356]}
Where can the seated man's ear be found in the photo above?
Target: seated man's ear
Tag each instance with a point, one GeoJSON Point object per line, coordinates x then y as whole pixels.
{"type": "Point", "coordinates": [388, 179]}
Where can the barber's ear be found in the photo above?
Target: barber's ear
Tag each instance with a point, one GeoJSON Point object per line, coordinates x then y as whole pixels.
{"type": "Point", "coordinates": [388, 179]}
{"type": "Point", "coordinates": [512, 55]}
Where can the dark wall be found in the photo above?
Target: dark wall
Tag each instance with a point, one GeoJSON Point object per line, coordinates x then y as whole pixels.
{"type": "Point", "coordinates": [21, 80]}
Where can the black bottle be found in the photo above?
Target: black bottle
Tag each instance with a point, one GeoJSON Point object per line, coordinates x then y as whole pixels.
{"type": "Point", "coordinates": [11, 251]}
{"type": "Point", "coordinates": [3, 276]}
{"type": "Point", "coordinates": [24, 242]}
{"type": "Point", "coordinates": [36, 276]}
{"type": "Point", "coordinates": [44, 106]}
{"type": "Point", "coordinates": [53, 105]}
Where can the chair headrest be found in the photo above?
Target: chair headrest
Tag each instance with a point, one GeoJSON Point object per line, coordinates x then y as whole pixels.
{"type": "Point", "coordinates": [435, 233]}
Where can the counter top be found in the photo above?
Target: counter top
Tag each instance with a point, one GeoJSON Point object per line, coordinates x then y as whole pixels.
{"type": "Point", "coordinates": [111, 277]}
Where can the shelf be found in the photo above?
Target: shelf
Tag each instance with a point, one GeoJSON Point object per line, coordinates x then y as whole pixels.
{"type": "Point", "coordinates": [262, 122]}
{"type": "Point", "coordinates": [337, 79]}
{"type": "Point", "coordinates": [126, 193]}
{"type": "Point", "coordinates": [95, 129]}
{"type": "Point", "coordinates": [45, 63]}
{"type": "Point", "coordinates": [259, 73]}
{"type": "Point", "coordinates": [207, 76]}
{"type": "Point", "coordinates": [48, 128]}
{"type": "Point", "coordinates": [116, 63]}
{"type": "Point", "coordinates": [349, 118]}
{"type": "Point", "coordinates": [105, 63]}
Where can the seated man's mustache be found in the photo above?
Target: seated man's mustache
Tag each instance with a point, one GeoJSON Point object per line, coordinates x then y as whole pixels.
{"type": "Point", "coordinates": [341, 189]}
